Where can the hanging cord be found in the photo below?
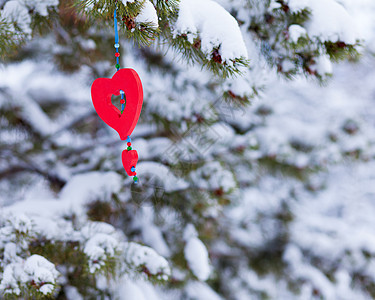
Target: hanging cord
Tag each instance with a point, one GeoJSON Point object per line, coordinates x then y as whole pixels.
{"type": "Point", "coordinates": [117, 45]}
{"type": "Point", "coordinates": [122, 101]}
{"type": "Point", "coordinates": [122, 93]}
{"type": "Point", "coordinates": [117, 55]}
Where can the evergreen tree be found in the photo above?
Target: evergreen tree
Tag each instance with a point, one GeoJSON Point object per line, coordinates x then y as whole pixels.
{"type": "Point", "coordinates": [219, 203]}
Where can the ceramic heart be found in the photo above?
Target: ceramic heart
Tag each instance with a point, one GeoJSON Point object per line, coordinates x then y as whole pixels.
{"type": "Point", "coordinates": [101, 92]}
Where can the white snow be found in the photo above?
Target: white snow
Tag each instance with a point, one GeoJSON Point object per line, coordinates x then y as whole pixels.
{"type": "Point", "coordinates": [17, 11]}
{"type": "Point", "coordinates": [42, 272]}
{"type": "Point", "coordinates": [14, 11]}
{"type": "Point", "coordinates": [99, 248]}
{"type": "Point", "coordinates": [28, 88]}
{"type": "Point", "coordinates": [10, 278]}
{"type": "Point", "coordinates": [151, 234]}
{"type": "Point", "coordinates": [274, 5]}
{"type": "Point", "coordinates": [201, 291]}
{"type": "Point", "coordinates": [295, 32]}
{"type": "Point", "coordinates": [170, 181]}
{"type": "Point", "coordinates": [148, 14]}
{"type": "Point", "coordinates": [40, 6]}
{"type": "Point", "coordinates": [329, 20]}
{"type": "Point", "coordinates": [76, 194]}
{"type": "Point", "coordinates": [72, 293]}
{"type": "Point", "coordinates": [213, 176]}
{"type": "Point", "coordinates": [127, 1]}
{"type": "Point", "coordinates": [196, 254]}
{"type": "Point", "coordinates": [128, 290]}
{"type": "Point", "coordinates": [138, 256]}
{"type": "Point", "coordinates": [34, 269]}
{"type": "Point", "coordinates": [323, 65]}
{"type": "Point", "coordinates": [287, 65]}
{"type": "Point", "coordinates": [92, 185]}
{"type": "Point", "coordinates": [132, 289]}
{"type": "Point", "coordinates": [213, 25]}
{"type": "Point", "coordinates": [293, 257]}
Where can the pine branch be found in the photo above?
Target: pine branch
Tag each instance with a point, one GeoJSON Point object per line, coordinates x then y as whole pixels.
{"type": "Point", "coordinates": [142, 33]}
{"type": "Point", "coordinates": [9, 39]}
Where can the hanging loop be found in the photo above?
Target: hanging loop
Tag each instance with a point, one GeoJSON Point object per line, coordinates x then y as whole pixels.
{"type": "Point", "coordinates": [117, 44]}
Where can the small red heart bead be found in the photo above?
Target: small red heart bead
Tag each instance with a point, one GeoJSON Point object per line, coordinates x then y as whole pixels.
{"type": "Point", "coordinates": [129, 160]}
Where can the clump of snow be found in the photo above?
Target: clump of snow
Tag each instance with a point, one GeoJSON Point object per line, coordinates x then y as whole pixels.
{"type": "Point", "coordinates": [323, 65]}
{"type": "Point", "coordinates": [102, 242]}
{"type": "Point", "coordinates": [15, 228]}
{"type": "Point", "coordinates": [363, 12]}
{"type": "Point", "coordinates": [86, 187]}
{"type": "Point", "coordinates": [264, 284]}
{"type": "Point", "coordinates": [170, 182]}
{"type": "Point", "coordinates": [99, 249]}
{"type": "Point", "coordinates": [201, 291]}
{"type": "Point", "coordinates": [125, 2]}
{"type": "Point", "coordinates": [196, 254]}
{"type": "Point", "coordinates": [295, 32]}
{"type": "Point", "coordinates": [135, 289]}
{"type": "Point", "coordinates": [131, 290]}
{"type": "Point", "coordinates": [151, 234]}
{"type": "Point", "coordinates": [274, 5]}
{"type": "Point", "coordinates": [148, 14]}
{"type": "Point", "coordinates": [28, 87]}
{"type": "Point", "coordinates": [74, 197]}
{"type": "Point", "coordinates": [40, 6]}
{"type": "Point", "coordinates": [10, 278]}
{"type": "Point", "coordinates": [329, 20]}
{"type": "Point", "coordinates": [178, 109]}
{"type": "Point", "coordinates": [240, 86]}
{"type": "Point", "coordinates": [87, 44]}
{"type": "Point", "coordinates": [17, 12]}
{"type": "Point", "coordinates": [299, 269]}
{"type": "Point", "coordinates": [215, 27]}
{"type": "Point", "coordinates": [213, 176]}
{"type": "Point", "coordinates": [10, 253]}
{"type": "Point", "coordinates": [287, 65]}
{"type": "Point", "coordinates": [42, 272]}
{"type": "Point", "coordinates": [35, 271]}
{"type": "Point", "coordinates": [92, 228]}
{"type": "Point", "coordinates": [139, 257]}
{"type": "Point", "coordinates": [72, 293]}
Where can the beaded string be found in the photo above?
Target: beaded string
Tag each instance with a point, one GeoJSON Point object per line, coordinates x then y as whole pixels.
{"type": "Point", "coordinates": [122, 93]}
{"type": "Point", "coordinates": [122, 101]}
{"type": "Point", "coordinates": [129, 143]}
{"type": "Point", "coordinates": [117, 55]}
{"type": "Point", "coordinates": [117, 45]}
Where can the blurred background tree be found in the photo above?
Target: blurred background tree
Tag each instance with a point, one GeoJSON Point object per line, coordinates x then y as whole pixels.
{"type": "Point", "coordinates": [252, 186]}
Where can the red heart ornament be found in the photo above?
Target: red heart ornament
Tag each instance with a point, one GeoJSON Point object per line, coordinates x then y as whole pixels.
{"type": "Point", "coordinates": [129, 160]}
{"type": "Point", "coordinates": [101, 92]}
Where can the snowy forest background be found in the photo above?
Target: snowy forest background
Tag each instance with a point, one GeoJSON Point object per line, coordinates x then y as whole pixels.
{"type": "Point", "coordinates": [255, 186]}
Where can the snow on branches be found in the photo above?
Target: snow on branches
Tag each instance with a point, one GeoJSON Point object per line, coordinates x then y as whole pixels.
{"type": "Point", "coordinates": [100, 248]}
{"type": "Point", "coordinates": [217, 32]}
{"type": "Point", "coordinates": [18, 13]}
{"type": "Point", "coordinates": [206, 33]}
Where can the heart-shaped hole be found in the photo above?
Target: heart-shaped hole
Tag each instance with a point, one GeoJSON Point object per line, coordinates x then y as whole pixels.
{"type": "Point", "coordinates": [116, 101]}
